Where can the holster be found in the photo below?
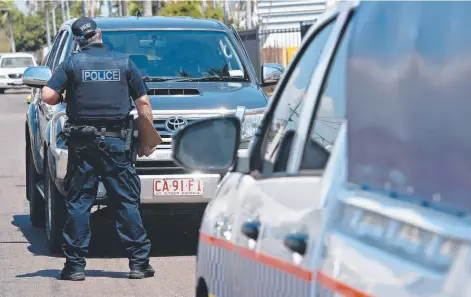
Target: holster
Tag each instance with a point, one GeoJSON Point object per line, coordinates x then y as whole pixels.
{"type": "Point", "coordinates": [132, 138]}
{"type": "Point", "coordinates": [90, 133]}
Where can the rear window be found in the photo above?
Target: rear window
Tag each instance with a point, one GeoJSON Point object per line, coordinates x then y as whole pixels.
{"type": "Point", "coordinates": [17, 62]}
{"type": "Point", "coordinates": [178, 53]}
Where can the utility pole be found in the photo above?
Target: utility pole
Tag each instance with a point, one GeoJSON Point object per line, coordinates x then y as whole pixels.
{"type": "Point", "coordinates": [226, 12]}
{"type": "Point", "coordinates": [84, 7]}
{"type": "Point", "coordinates": [63, 11]}
{"type": "Point", "coordinates": [147, 5]}
{"type": "Point", "coordinates": [67, 9]}
{"type": "Point", "coordinates": [48, 29]}
{"type": "Point", "coordinates": [203, 7]}
{"type": "Point", "coordinates": [12, 36]}
{"type": "Point", "coordinates": [54, 28]}
{"type": "Point", "coordinates": [110, 8]}
{"type": "Point", "coordinates": [248, 16]}
{"type": "Point", "coordinates": [124, 8]}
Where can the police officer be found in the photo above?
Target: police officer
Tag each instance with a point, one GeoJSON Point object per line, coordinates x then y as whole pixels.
{"type": "Point", "coordinates": [98, 85]}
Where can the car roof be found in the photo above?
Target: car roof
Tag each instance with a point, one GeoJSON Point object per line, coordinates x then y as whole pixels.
{"type": "Point", "coordinates": [157, 22]}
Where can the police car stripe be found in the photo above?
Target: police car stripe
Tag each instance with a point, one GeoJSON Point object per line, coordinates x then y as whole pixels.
{"type": "Point", "coordinates": [264, 276]}
{"type": "Point", "coordinates": [286, 267]}
{"type": "Point", "coordinates": [336, 286]}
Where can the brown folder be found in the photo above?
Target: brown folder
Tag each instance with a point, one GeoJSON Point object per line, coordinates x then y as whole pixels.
{"type": "Point", "coordinates": [148, 136]}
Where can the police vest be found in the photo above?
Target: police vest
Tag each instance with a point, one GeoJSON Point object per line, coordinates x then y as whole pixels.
{"type": "Point", "coordinates": [98, 86]}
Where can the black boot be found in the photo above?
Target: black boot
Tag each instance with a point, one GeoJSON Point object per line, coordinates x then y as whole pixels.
{"type": "Point", "coordinates": [136, 273]}
{"type": "Point", "coordinates": [71, 274]}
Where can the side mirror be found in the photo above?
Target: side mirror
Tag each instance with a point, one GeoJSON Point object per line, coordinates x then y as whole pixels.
{"type": "Point", "coordinates": [208, 145]}
{"type": "Point", "coordinates": [271, 74]}
{"type": "Point", "coordinates": [36, 76]}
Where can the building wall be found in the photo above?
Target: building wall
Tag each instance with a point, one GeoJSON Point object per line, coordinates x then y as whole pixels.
{"type": "Point", "coordinates": [280, 26]}
{"type": "Point", "coordinates": [274, 15]}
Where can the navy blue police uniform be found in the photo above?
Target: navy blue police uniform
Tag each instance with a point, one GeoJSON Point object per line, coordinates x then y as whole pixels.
{"type": "Point", "coordinates": [98, 85]}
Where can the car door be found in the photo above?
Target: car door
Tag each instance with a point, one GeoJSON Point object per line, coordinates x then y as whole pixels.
{"type": "Point", "coordinates": [274, 203]}
{"type": "Point", "coordinates": [43, 108]}
{"type": "Point", "coordinates": [220, 268]}
{"type": "Point", "coordinates": [47, 111]}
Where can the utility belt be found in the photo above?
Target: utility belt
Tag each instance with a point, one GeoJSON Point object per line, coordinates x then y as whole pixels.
{"type": "Point", "coordinates": [127, 131]}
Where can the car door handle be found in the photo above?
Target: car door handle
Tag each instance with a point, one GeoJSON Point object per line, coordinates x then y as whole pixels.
{"type": "Point", "coordinates": [296, 242]}
{"type": "Point", "coordinates": [251, 229]}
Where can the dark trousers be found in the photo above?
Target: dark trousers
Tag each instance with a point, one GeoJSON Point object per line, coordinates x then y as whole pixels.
{"type": "Point", "coordinates": [86, 162]}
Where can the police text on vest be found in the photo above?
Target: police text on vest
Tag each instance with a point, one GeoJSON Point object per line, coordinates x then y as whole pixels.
{"type": "Point", "coordinates": [101, 75]}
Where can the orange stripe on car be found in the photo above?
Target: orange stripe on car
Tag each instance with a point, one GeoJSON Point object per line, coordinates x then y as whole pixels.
{"type": "Point", "coordinates": [217, 242]}
{"type": "Point", "coordinates": [339, 287]}
{"type": "Point", "coordinates": [284, 266]}
{"type": "Point", "coordinates": [323, 279]}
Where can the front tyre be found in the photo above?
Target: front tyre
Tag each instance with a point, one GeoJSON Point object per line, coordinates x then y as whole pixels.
{"type": "Point", "coordinates": [55, 213]}
{"type": "Point", "coordinates": [36, 201]}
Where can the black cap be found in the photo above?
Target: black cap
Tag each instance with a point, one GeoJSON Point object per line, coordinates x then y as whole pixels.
{"type": "Point", "coordinates": [84, 28]}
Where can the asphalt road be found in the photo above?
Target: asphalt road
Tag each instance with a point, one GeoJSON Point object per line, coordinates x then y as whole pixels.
{"type": "Point", "coordinates": [28, 269]}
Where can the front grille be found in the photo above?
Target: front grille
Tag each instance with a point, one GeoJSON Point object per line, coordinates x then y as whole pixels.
{"type": "Point", "coordinates": [158, 167]}
{"type": "Point", "coordinates": [15, 75]}
{"type": "Point", "coordinates": [166, 135]}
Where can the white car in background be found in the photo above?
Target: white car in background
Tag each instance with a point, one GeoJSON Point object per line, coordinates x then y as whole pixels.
{"type": "Point", "coordinates": [12, 66]}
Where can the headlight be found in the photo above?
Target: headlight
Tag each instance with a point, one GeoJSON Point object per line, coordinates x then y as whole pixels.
{"type": "Point", "coordinates": [3, 76]}
{"type": "Point", "coordinates": [250, 124]}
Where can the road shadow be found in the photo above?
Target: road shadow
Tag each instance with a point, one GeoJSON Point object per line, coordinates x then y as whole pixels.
{"type": "Point", "coordinates": [54, 273]}
{"type": "Point", "coordinates": [169, 237]}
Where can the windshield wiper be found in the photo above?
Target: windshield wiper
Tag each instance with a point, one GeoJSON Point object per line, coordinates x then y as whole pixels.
{"type": "Point", "coordinates": [157, 78]}
{"type": "Point", "coordinates": [209, 78]}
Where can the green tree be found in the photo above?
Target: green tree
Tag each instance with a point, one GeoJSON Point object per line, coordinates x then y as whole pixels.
{"type": "Point", "coordinates": [192, 9]}
{"type": "Point", "coordinates": [214, 12]}
{"type": "Point", "coordinates": [134, 6]}
{"type": "Point", "coordinates": [29, 32]}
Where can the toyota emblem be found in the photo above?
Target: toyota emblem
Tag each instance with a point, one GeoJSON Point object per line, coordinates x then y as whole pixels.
{"type": "Point", "coordinates": [174, 123]}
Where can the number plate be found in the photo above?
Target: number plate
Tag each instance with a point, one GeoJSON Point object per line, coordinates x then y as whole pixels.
{"type": "Point", "coordinates": [178, 187]}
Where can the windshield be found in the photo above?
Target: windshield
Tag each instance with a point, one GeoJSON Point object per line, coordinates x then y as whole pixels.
{"type": "Point", "coordinates": [179, 53]}
{"type": "Point", "coordinates": [17, 62]}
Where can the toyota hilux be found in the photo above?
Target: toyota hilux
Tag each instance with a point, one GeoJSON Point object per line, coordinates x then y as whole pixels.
{"type": "Point", "coordinates": [194, 68]}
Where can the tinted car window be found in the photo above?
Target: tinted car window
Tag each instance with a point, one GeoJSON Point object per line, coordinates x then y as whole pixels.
{"type": "Point", "coordinates": [61, 47]}
{"type": "Point", "coordinates": [179, 53]}
{"type": "Point", "coordinates": [53, 51]}
{"type": "Point", "coordinates": [289, 106]}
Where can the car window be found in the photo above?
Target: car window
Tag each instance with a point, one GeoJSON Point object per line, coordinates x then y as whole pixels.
{"type": "Point", "coordinates": [61, 48]}
{"type": "Point", "coordinates": [330, 112]}
{"type": "Point", "coordinates": [178, 53]}
{"type": "Point", "coordinates": [288, 109]}
{"type": "Point", "coordinates": [53, 51]}
{"type": "Point", "coordinates": [11, 62]}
